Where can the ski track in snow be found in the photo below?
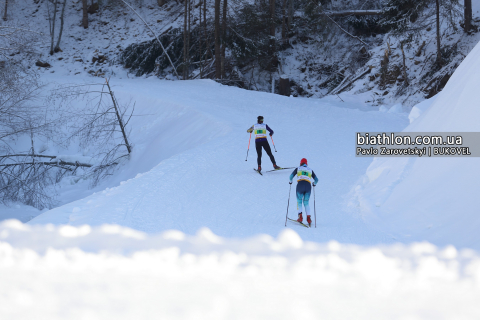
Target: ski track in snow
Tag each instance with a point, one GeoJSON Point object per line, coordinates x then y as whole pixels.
{"type": "Point", "coordinates": [210, 184]}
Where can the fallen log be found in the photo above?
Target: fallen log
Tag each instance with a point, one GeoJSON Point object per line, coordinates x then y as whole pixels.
{"type": "Point", "coordinates": [51, 163]}
{"type": "Point", "coordinates": [355, 13]}
{"type": "Point", "coordinates": [352, 81]}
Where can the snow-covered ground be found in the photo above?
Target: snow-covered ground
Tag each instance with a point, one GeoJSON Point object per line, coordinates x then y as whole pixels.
{"type": "Point", "coordinates": [187, 230]}
{"type": "Point", "coordinates": [434, 199]}
{"type": "Point", "coordinates": [109, 272]}
{"type": "Point", "coordinates": [203, 235]}
{"type": "Point", "coordinates": [189, 170]}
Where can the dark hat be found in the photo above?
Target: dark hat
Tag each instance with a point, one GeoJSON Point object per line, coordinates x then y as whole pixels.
{"type": "Point", "coordinates": [260, 118]}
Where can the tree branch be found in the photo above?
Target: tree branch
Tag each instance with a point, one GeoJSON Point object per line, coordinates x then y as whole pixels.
{"type": "Point", "coordinates": [355, 13]}
{"type": "Point", "coordinates": [53, 163]}
{"type": "Point", "coordinates": [156, 37]}
{"type": "Point", "coordinates": [345, 31]}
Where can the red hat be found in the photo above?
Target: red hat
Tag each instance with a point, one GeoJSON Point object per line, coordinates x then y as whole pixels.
{"type": "Point", "coordinates": [303, 161]}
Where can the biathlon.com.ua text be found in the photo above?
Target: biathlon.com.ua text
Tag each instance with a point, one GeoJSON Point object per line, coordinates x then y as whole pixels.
{"type": "Point", "coordinates": [419, 144]}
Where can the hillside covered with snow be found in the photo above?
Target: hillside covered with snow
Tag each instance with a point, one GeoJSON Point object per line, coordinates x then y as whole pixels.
{"type": "Point", "coordinates": [188, 167]}
{"type": "Point", "coordinates": [432, 199]}
{"type": "Point", "coordinates": [320, 59]}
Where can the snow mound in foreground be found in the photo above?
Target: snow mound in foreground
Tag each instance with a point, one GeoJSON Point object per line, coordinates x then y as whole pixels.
{"type": "Point", "coordinates": [67, 272]}
{"type": "Point", "coordinates": [433, 199]}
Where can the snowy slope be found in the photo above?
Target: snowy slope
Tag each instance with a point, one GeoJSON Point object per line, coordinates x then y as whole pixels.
{"type": "Point", "coordinates": [199, 176]}
{"type": "Point", "coordinates": [196, 131]}
{"type": "Point", "coordinates": [434, 199]}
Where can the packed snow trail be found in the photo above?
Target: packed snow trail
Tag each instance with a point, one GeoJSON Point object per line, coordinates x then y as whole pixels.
{"type": "Point", "coordinates": [208, 183]}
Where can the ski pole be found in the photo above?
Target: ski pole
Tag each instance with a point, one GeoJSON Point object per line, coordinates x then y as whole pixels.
{"type": "Point", "coordinates": [314, 209]}
{"type": "Point", "coordinates": [289, 191]}
{"type": "Point", "coordinates": [273, 144]}
{"type": "Point", "coordinates": [248, 149]}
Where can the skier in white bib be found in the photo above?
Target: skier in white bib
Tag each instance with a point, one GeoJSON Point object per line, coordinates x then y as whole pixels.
{"type": "Point", "coordinates": [260, 131]}
{"type": "Point", "coordinates": [304, 188]}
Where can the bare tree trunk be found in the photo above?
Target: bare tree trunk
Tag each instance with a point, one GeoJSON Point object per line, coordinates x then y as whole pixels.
{"type": "Point", "coordinates": [224, 36]}
{"type": "Point", "coordinates": [188, 36]}
{"type": "Point", "coordinates": [272, 18]}
{"type": "Point", "coordinates": [57, 47]}
{"type": "Point", "coordinates": [290, 14]}
{"type": "Point", "coordinates": [273, 83]}
{"type": "Point", "coordinates": [200, 39]}
{"type": "Point", "coordinates": [284, 86]}
{"type": "Point", "coordinates": [33, 152]}
{"type": "Point", "coordinates": [205, 30]}
{"type": "Point", "coordinates": [205, 25]}
{"type": "Point", "coordinates": [185, 10]}
{"type": "Point", "coordinates": [85, 14]}
{"type": "Point", "coordinates": [272, 34]}
{"type": "Point", "coordinates": [405, 79]}
{"type": "Point", "coordinates": [468, 15]}
{"type": "Point", "coordinates": [218, 66]}
{"type": "Point", "coordinates": [439, 55]}
{"type": "Point", "coordinates": [49, 18]}
{"type": "Point", "coordinates": [5, 12]}
{"type": "Point", "coordinates": [284, 22]}
{"type": "Point", "coordinates": [52, 30]}
{"type": "Point", "coordinates": [119, 118]}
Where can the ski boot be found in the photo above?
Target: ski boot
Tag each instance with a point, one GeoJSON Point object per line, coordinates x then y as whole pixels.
{"type": "Point", "coordinates": [276, 167]}
{"type": "Point", "coordinates": [259, 168]}
{"type": "Point", "coordinates": [300, 217]}
{"type": "Point", "coordinates": [309, 220]}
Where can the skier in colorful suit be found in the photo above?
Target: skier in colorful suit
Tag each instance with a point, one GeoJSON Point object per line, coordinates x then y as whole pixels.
{"type": "Point", "coordinates": [304, 179]}
{"type": "Point", "coordinates": [260, 131]}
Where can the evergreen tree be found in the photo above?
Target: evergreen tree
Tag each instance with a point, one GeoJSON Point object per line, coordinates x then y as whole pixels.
{"type": "Point", "coordinates": [398, 14]}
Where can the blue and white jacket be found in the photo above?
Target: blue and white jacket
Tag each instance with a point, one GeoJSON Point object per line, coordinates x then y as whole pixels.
{"type": "Point", "coordinates": [304, 173]}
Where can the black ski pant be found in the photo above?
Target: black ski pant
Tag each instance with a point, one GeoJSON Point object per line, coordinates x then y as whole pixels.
{"type": "Point", "coordinates": [266, 146]}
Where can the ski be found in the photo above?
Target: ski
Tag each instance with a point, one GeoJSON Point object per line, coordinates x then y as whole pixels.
{"type": "Point", "coordinates": [280, 169]}
{"type": "Point", "coordinates": [299, 223]}
{"type": "Point", "coordinates": [258, 171]}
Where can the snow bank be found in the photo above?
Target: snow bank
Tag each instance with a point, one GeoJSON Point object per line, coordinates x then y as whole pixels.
{"type": "Point", "coordinates": [18, 211]}
{"type": "Point", "coordinates": [418, 109]}
{"type": "Point", "coordinates": [67, 272]}
{"type": "Point", "coordinates": [434, 199]}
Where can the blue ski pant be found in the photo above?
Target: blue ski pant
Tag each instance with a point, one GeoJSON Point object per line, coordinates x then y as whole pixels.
{"type": "Point", "coordinates": [304, 188]}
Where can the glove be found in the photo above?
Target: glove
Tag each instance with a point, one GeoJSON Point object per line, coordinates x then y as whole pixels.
{"type": "Point", "coordinates": [271, 134]}
{"type": "Point", "coordinates": [314, 185]}
{"type": "Point", "coordinates": [290, 182]}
